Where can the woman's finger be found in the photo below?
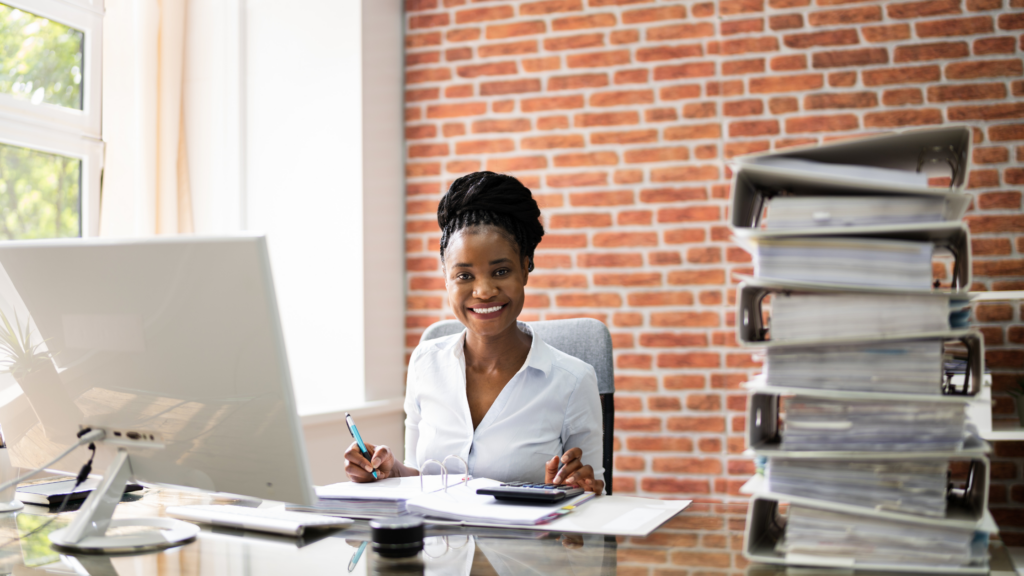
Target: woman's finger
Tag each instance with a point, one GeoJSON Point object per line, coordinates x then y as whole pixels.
{"type": "Point", "coordinates": [550, 469]}
{"type": "Point", "coordinates": [381, 455]}
{"type": "Point", "coordinates": [354, 456]}
{"type": "Point", "coordinates": [566, 471]}
{"type": "Point", "coordinates": [572, 454]}
{"type": "Point", "coordinates": [581, 476]}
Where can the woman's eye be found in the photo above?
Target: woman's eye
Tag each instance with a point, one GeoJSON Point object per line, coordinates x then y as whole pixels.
{"type": "Point", "coordinates": [501, 272]}
{"type": "Point", "coordinates": [463, 277]}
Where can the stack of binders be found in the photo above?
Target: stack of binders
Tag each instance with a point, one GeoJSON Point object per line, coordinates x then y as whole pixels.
{"type": "Point", "coordinates": [870, 462]}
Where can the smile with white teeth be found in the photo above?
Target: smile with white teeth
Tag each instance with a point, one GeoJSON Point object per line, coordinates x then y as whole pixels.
{"type": "Point", "coordinates": [488, 310]}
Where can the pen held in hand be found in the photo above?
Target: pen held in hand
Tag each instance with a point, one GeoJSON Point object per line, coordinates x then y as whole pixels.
{"type": "Point", "coordinates": [359, 441]}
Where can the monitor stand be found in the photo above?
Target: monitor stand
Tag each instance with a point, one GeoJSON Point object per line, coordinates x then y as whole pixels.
{"type": "Point", "coordinates": [88, 531]}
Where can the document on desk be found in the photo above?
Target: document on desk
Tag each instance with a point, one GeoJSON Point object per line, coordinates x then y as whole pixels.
{"type": "Point", "coordinates": [611, 515]}
{"type": "Point", "coordinates": [373, 499]}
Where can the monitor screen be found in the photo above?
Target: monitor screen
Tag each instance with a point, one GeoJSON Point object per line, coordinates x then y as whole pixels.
{"type": "Point", "coordinates": [172, 346]}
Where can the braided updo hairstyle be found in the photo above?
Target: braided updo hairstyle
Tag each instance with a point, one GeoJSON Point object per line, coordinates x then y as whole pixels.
{"type": "Point", "coordinates": [499, 200]}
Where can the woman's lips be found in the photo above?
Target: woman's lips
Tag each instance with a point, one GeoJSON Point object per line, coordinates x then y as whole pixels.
{"type": "Point", "coordinates": [487, 312]}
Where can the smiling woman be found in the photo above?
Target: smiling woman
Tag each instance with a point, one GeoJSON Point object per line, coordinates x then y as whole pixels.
{"type": "Point", "coordinates": [496, 395]}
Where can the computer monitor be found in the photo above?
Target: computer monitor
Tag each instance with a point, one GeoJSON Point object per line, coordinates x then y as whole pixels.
{"type": "Point", "coordinates": [173, 347]}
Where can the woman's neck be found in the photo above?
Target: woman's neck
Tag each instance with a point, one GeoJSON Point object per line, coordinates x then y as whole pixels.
{"type": "Point", "coordinates": [493, 351]}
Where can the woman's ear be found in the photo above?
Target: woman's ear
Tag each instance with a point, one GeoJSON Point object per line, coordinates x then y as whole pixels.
{"type": "Point", "coordinates": [527, 268]}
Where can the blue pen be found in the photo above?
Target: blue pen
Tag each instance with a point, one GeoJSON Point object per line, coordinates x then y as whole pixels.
{"type": "Point", "coordinates": [359, 440]}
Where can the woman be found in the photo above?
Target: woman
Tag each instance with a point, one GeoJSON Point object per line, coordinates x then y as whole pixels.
{"type": "Point", "coordinates": [512, 407]}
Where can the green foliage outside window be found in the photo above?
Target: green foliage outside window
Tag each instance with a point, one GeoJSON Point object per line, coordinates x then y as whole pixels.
{"type": "Point", "coordinates": [40, 193]}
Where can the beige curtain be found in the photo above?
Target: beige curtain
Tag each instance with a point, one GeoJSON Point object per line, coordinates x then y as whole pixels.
{"type": "Point", "coordinates": [146, 178]}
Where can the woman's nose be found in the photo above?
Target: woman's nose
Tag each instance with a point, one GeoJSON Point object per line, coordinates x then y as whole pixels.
{"type": "Point", "coordinates": [484, 288]}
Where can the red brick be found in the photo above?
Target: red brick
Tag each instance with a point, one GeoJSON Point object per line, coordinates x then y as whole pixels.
{"type": "Point", "coordinates": [657, 53]}
{"type": "Point", "coordinates": [592, 300]}
{"type": "Point", "coordinates": [574, 42]}
{"type": "Point", "coordinates": [660, 299]}
{"type": "Point", "coordinates": [422, 150]}
{"type": "Point", "coordinates": [789, 62]}
{"type": "Point", "coordinates": [558, 280]}
{"type": "Point", "coordinates": [492, 69]}
{"type": "Point", "coordinates": [924, 8]}
{"type": "Point", "coordinates": [517, 164]}
{"type": "Point", "coordinates": [783, 105]}
{"type": "Point", "coordinates": [587, 159]}
{"type": "Point", "coordinates": [753, 128]}
{"type": "Point", "coordinates": [598, 59]}
{"type": "Point", "coordinates": [499, 31]}
{"type": "Point", "coordinates": [840, 100]}
{"type": "Point", "coordinates": [618, 239]}
{"type": "Point", "coordinates": [733, 67]}
{"type": "Point", "coordinates": [462, 35]}
{"type": "Point", "coordinates": [730, 7]}
{"type": "Point", "coordinates": [416, 5]}
{"type": "Point", "coordinates": [834, 123]}
{"type": "Point", "coordinates": [692, 359]}
{"type": "Point", "coordinates": [580, 220]}
{"type": "Point", "coordinates": [422, 58]}
{"type": "Point", "coordinates": [664, 258]}
{"type": "Point", "coordinates": [1011, 21]}
{"type": "Point", "coordinates": [656, 154]}
{"type": "Point", "coordinates": [689, 70]}
{"type": "Point", "coordinates": [462, 166]}
{"type": "Point", "coordinates": [660, 115]}
{"type": "Point", "coordinates": [688, 466]}
{"type": "Point", "coordinates": [420, 40]}
{"type": "Point", "coordinates": [954, 27]}
{"type": "Point", "coordinates": [686, 319]}
{"type": "Point", "coordinates": [990, 155]}
{"type": "Point", "coordinates": [984, 69]}
{"type": "Point", "coordinates": [549, 7]}
{"type": "Point", "coordinates": [673, 339]}
{"type": "Point", "coordinates": [606, 119]}
{"type": "Point", "coordinates": [674, 486]}
{"type": "Point", "coordinates": [681, 31]}
{"type": "Point", "coordinates": [684, 382]}
{"type": "Point", "coordinates": [552, 122]}
{"type": "Point", "coordinates": [628, 319]}
{"type": "Point", "coordinates": [693, 132]}
{"type": "Point", "coordinates": [552, 103]}
{"type": "Point", "coordinates": [948, 92]}
{"type": "Point", "coordinates": [624, 36]}
{"type": "Point", "coordinates": [653, 14]}
{"type": "Point", "coordinates": [847, 58]}
{"type": "Point", "coordinates": [627, 137]}
{"type": "Point", "coordinates": [685, 174]}
{"type": "Point", "coordinates": [934, 51]}
{"type": "Point", "coordinates": [428, 75]}
{"type": "Point", "coordinates": [510, 87]}
{"type": "Point", "coordinates": [583, 22]}
{"type": "Point", "coordinates": [512, 125]}
{"type": "Point", "coordinates": [747, 45]}
{"type": "Point", "coordinates": [830, 38]}
{"type": "Point", "coordinates": [696, 424]}
{"type": "Point", "coordinates": [858, 15]}
{"type": "Point", "coordinates": [733, 149]}
{"type": "Point", "coordinates": [743, 108]}
{"type": "Point", "coordinates": [989, 112]}
{"type": "Point", "coordinates": [887, 33]}
{"type": "Point", "coordinates": [415, 170]}
{"type": "Point", "coordinates": [638, 424]}
{"type": "Point", "coordinates": [688, 277]}
{"type": "Point", "coordinates": [658, 443]}
{"type": "Point", "coordinates": [636, 383]}
{"type": "Point", "coordinates": [420, 132]}
{"type": "Point", "coordinates": [1002, 45]}
{"type": "Point", "coordinates": [785, 22]}
{"type": "Point", "coordinates": [507, 49]}
{"type": "Point", "coordinates": [776, 84]}
{"type": "Point", "coordinates": [679, 92]}
{"type": "Point", "coordinates": [1006, 132]}
{"type": "Point", "coordinates": [661, 195]}
{"type": "Point", "coordinates": [639, 279]}
{"type": "Point", "coordinates": [483, 14]}
{"type": "Point", "coordinates": [895, 118]}
{"type": "Point", "coordinates": [542, 64]}
{"type": "Point", "coordinates": [618, 198]}
{"type": "Point", "coordinates": [902, 97]}
{"type": "Point", "coordinates": [747, 26]}
{"type": "Point", "coordinates": [622, 98]}
{"type": "Point", "coordinates": [880, 77]}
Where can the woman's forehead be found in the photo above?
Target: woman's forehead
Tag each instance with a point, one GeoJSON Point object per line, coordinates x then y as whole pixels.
{"type": "Point", "coordinates": [482, 240]}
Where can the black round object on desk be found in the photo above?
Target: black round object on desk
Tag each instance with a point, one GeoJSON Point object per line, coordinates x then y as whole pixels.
{"type": "Point", "coordinates": [399, 537]}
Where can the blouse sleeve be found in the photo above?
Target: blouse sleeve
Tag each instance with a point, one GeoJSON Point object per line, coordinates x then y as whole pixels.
{"type": "Point", "coordinates": [582, 428]}
{"type": "Point", "coordinates": [412, 414]}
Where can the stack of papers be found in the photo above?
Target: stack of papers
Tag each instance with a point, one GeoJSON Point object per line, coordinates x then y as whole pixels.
{"type": "Point", "coordinates": [912, 487]}
{"type": "Point", "coordinates": [373, 499]}
{"type": "Point", "coordinates": [913, 367]}
{"type": "Point", "coordinates": [856, 314]}
{"type": "Point", "coordinates": [848, 540]}
{"type": "Point", "coordinates": [786, 212]}
{"type": "Point", "coordinates": [462, 503]}
{"type": "Point", "coordinates": [872, 425]}
{"type": "Point", "coordinates": [852, 261]}
{"type": "Point", "coordinates": [840, 171]}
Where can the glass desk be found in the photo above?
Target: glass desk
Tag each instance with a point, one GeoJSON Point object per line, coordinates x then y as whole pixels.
{"type": "Point", "coordinates": [705, 540]}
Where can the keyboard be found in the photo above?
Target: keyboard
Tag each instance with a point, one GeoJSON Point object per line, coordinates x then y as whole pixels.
{"type": "Point", "coordinates": [525, 491]}
{"type": "Point", "coordinates": [274, 520]}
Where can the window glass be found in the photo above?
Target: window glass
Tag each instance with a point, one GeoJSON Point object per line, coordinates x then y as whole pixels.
{"type": "Point", "coordinates": [39, 194]}
{"type": "Point", "coordinates": [40, 60]}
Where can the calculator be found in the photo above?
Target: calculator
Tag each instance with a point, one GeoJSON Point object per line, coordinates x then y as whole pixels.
{"type": "Point", "coordinates": [526, 492]}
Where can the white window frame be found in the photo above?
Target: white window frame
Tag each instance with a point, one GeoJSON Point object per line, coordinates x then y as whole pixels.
{"type": "Point", "coordinates": [57, 129]}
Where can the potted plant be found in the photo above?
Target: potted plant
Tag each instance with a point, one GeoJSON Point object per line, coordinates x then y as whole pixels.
{"type": "Point", "coordinates": [35, 372]}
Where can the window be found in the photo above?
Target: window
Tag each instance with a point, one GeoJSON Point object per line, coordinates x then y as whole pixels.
{"type": "Point", "coordinates": [50, 147]}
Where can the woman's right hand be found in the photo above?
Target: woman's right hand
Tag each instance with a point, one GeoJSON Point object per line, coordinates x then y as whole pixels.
{"type": "Point", "coordinates": [359, 470]}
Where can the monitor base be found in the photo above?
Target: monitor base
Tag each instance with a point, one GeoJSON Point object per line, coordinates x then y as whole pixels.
{"type": "Point", "coordinates": [12, 506]}
{"type": "Point", "coordinates": [88, 531]}
{"type": "Point", "coordinates": [169, 533]}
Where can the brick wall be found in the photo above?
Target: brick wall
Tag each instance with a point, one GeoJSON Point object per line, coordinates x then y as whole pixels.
{"type": "Point", "coordinates": [621, 116]}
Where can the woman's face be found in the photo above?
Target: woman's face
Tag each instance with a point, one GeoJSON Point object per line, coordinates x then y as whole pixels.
{"type": "Point", "coordinates": [485, 278]}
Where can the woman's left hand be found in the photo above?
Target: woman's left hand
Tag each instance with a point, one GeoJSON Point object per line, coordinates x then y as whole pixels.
{"type": "Point", "coordinates": [573, 472]}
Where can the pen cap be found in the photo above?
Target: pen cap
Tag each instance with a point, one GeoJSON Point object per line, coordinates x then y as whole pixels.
{"type": "Point", "coordinates": [397, 537]}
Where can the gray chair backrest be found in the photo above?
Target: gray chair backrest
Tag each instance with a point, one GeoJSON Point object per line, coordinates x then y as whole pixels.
{"type": "Point", "coordinates": [583, 338]}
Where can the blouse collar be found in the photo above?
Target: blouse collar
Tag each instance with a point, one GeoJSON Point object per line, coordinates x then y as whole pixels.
{"type": "Point", "coordinates": [540, 356]}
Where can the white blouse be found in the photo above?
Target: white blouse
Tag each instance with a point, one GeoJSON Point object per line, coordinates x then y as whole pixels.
{"type": "Point", "coordinates": [549, 406]}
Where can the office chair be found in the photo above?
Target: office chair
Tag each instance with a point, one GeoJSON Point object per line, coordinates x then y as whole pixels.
{"type": "Point", "coordinates": [583, 338]}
